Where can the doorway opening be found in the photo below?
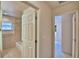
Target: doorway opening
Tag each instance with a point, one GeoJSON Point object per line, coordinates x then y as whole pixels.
{"type": "Point", "coordinates": [64, 31]}
{"type": "Point", "coordinates": [58, 36]}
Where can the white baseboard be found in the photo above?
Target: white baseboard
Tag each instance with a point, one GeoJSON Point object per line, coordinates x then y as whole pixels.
{"type": "Point", "coordinates": [66, 55]}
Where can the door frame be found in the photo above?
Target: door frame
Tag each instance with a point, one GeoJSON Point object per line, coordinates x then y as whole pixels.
{"type": "Point", "coordinates": [77, 34]}
{"type": "Point", "coordinates": [37, 12]}
{"type": "Point", "coordinates": [53, 30]}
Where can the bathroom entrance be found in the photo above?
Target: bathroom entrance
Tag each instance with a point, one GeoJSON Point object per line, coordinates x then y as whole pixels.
{"type": "Point", "coordinates": [19, 28]}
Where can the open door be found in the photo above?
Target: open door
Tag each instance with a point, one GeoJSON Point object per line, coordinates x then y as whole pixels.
{"type": "Point", "coordinates": [75, 46]}
{"type": "Point", "coordinates": [28, 33]}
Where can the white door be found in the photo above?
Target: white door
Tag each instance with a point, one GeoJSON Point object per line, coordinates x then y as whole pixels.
{"type": "Point", "coordinates": [28, 33]}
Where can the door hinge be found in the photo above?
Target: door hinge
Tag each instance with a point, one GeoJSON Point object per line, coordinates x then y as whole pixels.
{"type": "Point", "coordinates": [35, 41]}
{"type": "Point", "coordinates": [35, 17]}
{"type": "Point", "coordinates": [75, 40]}
{"type": "Point", "coordinates": [55, 27]}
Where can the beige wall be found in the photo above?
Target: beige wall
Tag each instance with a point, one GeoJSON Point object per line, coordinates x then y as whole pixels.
{"type": "Point", "coordinates": [10, 37]}
{"type": "Point", "coordinates": [44, 25]}
{"type": "Point", "coordinates": [67, 34]}
{"type": "Point", "coordinates": [18, 29]}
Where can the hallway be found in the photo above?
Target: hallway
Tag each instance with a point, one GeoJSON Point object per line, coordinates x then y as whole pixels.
{"type": "Point", "coordinates": [58, 37]}
{"type": "Point", "coordinates": [34, 30]}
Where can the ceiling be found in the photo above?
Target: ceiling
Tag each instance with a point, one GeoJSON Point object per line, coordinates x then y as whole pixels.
{"type": "Point", "coordinates": [13, 8]}
{"type": "Point", "coordinates": [54, 4]}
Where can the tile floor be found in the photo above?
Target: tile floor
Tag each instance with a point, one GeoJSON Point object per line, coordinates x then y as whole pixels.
{"type": "Point", "coordinates": [12, 53]}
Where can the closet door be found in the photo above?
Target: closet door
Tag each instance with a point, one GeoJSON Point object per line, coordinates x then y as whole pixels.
{"type": "Point", "coordinates": [28, 33]}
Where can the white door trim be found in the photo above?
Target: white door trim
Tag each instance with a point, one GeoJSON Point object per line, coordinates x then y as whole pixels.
{"type": "Point", "coordinates": [74, 34]}
{"type": "Point", "coordinates": [77, 33]}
